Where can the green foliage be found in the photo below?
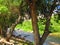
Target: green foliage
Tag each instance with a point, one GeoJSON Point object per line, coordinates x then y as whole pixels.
{"type": "Point", "coordinates": [6, 16]}
{"type": "Point", "coordinates": [27, 25]}
{"type": "Point", "coordinates": [41, 24]}
{"type": "Point", "coordinates": [44, 6]}
{"type": "Point", "coordinates": [3, 9]}
{"type": "Point", "coordinates": [55, 26]}
{"type": "Point", "coordinates": [15, 2]}
{"type": "Point", "coordinates": [3, 14]}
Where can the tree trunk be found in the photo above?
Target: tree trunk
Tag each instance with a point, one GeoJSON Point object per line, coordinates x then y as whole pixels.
{"type": "Point", "coordinates": [34, 23]}
{"type": "Point", "coordinates": [38, 40]}
{"type": "Point", "coordinates": [12, 28]}
{"type": "Point", "coordinates": [46, 31]}
{"type": "Point", "coordinates": [47, 25]}
{"type": "Point", "coordinates": [9, 33]}
{"type": "Point", "coordinates": [17, 10]}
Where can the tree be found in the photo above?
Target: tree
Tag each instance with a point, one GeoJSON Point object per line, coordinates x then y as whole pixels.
{"type": "Point", "coordinates": [3, 17]}
{"type": "Point", "coordinates": [12, 17]}
{"type": "Point", "coordinates": [18, 11]}
{"type": "Point", "coordinates": [44, 6]}
{"type": "Point", "coordinates": [34, 21]}
{"type": "Point", "coordinates": [47, 13]}
{"type": "Point", "coordinates": [6, 18]}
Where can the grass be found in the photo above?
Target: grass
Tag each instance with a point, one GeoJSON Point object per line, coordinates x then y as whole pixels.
{"type": "Point", "coordinates": [57, 34]}
{"type": "Point", "coordinates": [25, 26]}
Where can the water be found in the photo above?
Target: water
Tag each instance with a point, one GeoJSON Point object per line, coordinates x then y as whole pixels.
{"type": "Point", "coordinates": [30, 37]}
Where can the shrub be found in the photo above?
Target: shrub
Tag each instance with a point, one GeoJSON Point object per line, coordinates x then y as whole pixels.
{"type": "Point", "coordinates": [27, 25]}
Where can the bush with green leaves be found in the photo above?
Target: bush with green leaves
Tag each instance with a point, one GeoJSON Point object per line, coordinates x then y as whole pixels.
{"type": "Point", "coordinates": [55, 26]}
{"type": "Point", "coordinates": [27, 25]}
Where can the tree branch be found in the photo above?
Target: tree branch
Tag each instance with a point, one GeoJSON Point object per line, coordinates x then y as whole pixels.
{"type": "Point", "coordinates": [46, 31]}
{"type": "Point", "coordinates": [16, 22]}
{"type": "Point", "coordinates": [53, 6]}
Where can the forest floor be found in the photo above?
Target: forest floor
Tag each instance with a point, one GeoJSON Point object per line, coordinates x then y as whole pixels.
{"type": "Point", "coordinates": [52, 39]}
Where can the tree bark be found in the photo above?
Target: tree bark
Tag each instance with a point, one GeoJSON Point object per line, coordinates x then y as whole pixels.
{"type": "Point", "coordinates": [35, 27]}
{"type": "Point", "coordinates": [34, 23]}
{"type": "Point", "coordinates": [46, 31]}
{"type": "Point", "coordinates": [38, 40]}
{"type": "Point", "coordinates": [47, 25]}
